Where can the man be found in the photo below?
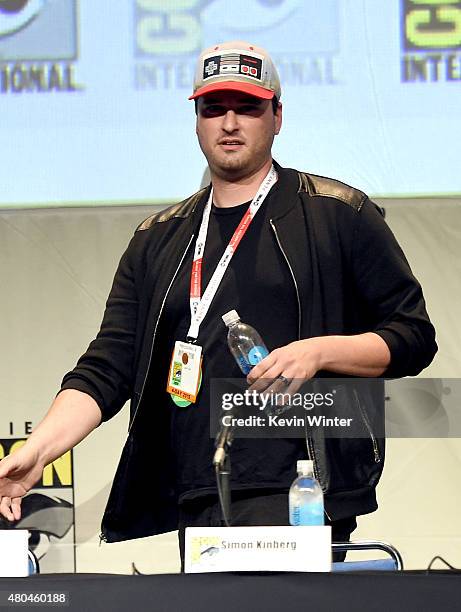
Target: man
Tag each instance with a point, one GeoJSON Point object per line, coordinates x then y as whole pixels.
{"type": "Point", "coordinates": [316, 271]}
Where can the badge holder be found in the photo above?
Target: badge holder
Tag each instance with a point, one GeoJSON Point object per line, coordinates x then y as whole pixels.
{"type": "Point", "coordinates": [185, 371]}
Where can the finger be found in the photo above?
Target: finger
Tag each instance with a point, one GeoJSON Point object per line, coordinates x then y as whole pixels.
{"type": "Point", "coordinates": [278, 388]}
{"type": "Point", "coordinates": [270, 378]}
{"type": "Point", "coordinates": [261, 385]}
{"type": "Point", "coordinates": [283, 391]}
{"type": "Point", "coordinates": [290, 388]}
{"type": "Point", "coordinates": [16, 507]}
{"type": "Point", "coordinates": [282, 395]}
{"type": "Point", "coordinates": [259, 370]}
{"type": "Point", "coordinates": [294, 385]}
{"type": "Point", "coordinates": [274, 395]}
{"type": "Point", "coordinates": [5, 508]}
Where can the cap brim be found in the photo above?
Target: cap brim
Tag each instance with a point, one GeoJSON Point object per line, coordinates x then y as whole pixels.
{"type": "Point", "coordinates": [249, 88]}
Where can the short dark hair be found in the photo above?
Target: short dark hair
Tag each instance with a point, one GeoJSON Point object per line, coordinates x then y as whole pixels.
{"type": "Point", "coordinates": [275, 104]}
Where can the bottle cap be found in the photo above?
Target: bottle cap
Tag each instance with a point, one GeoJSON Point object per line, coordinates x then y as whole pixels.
{"type": "Point", "coordinates": [230, 317]}
{"type": "Point", "coordinates": [305, 466]}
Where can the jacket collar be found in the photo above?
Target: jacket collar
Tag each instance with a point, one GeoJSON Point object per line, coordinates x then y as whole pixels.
{"type": "Point", "coordinates": [286, 191]}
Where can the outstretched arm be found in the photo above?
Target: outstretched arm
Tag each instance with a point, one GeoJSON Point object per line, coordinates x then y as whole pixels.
{"type": "Point", "coordinates": [71, 417]}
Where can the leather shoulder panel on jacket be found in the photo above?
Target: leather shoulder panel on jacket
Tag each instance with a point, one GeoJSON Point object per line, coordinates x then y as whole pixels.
{"type": "Point", "coordinates": [322, 186]}
{"type": "Point", "coordinates": [181, 210]}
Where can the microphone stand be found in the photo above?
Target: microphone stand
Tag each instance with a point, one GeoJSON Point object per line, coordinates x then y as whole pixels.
{"type": "Point", "coordinates": [222, 465]}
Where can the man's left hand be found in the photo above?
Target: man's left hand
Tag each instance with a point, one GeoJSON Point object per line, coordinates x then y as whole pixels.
{"type": "Point", "coordinates": [286, 368]}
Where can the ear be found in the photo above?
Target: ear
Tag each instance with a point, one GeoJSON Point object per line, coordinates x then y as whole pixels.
{"type": "Point", "coordinates": [278, 119]}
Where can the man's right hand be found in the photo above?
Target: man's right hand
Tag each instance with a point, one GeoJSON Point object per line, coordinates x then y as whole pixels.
{"type": "Point", "coordinates": [18, 474]}
{"type": "Point", "coordinates": [72, 416]}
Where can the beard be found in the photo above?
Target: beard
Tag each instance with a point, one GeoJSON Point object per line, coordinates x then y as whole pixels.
{"type": "Point", "coordinates": [236, 165]}
{"type": "Point", "coordinates": [230, 165]}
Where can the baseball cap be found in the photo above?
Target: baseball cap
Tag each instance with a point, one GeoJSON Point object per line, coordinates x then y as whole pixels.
{"type": "Point", "coordinates": [236, 66]}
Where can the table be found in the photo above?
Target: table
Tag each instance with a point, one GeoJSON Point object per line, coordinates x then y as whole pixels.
{"type": "Point", "coordinates": [255, 592]}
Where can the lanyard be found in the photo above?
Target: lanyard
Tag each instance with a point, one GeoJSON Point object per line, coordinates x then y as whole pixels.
{"type": "Point", "coordinates": [199, 305]}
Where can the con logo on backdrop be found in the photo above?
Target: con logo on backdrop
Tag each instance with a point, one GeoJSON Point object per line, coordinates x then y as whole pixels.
{"type": "Point", "coordinates": [48, 512]}
{"type": "Point", "coordinates": [38, 46]}
{"type": "Point", "coordinates": [430, 41]}
{"type": "Point", "coordinates": [302, 35]}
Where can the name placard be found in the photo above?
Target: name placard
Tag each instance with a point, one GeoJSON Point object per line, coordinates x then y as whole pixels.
{"type": "Point", "coordinates": [249, 549]}
{"type": "Point", "coordinates": [14, 561]}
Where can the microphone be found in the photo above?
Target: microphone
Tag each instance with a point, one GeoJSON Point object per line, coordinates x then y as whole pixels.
{"type": "Point", "coordinates": [222, 444]}
{"type": "Point", "coordinates": [221, 464]}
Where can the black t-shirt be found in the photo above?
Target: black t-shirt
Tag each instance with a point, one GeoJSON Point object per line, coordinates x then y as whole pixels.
{"type": "Point", "coordinates": [259, 286]}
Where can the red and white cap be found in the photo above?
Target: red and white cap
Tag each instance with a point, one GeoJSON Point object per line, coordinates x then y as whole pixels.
{"type": "Point", "coordinates": [236, 66]}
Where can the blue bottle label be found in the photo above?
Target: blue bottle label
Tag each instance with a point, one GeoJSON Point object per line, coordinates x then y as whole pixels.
{"type": "Point", "coordinates": [307, 514]}
{"type": "Point", "coordinates": [257, 354]}
{"type": "Point", "coordinates": [244, 365]}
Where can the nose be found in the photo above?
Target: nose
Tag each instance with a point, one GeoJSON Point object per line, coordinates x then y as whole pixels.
{"type": "Point", "coordinates": [230, 123]}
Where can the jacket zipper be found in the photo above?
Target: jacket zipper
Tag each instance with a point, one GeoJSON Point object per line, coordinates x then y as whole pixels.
{"type": "Point", "coordinates": [102, 535]}
{"type": "Point", "coordinates": [292, 276]}
{"type": "Point", "coordinates": [155, 331]}
{"type": "Point", "coordinates": [309, 443]}
{"type": "Point", "coordinates": [369, 429]}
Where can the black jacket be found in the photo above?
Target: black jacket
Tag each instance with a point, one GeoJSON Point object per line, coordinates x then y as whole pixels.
{"type": "Point", "coordinates": [350, 277]}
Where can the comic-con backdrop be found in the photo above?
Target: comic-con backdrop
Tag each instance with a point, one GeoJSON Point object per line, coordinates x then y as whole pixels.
{"type": "Point", "coordinates": [371, 93]}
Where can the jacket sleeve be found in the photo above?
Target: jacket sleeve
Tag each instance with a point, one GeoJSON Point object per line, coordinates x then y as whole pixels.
{"type": "Point", "coordinates": [105, 371]}
{"type": "Point", "coordinates": [392, 294]}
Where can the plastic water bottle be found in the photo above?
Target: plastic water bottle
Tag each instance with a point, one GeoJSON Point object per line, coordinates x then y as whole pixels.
{"type": "Point", "coordinates": [244, 342]}
{"type": "Point", "coordinates": [305, 497]}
